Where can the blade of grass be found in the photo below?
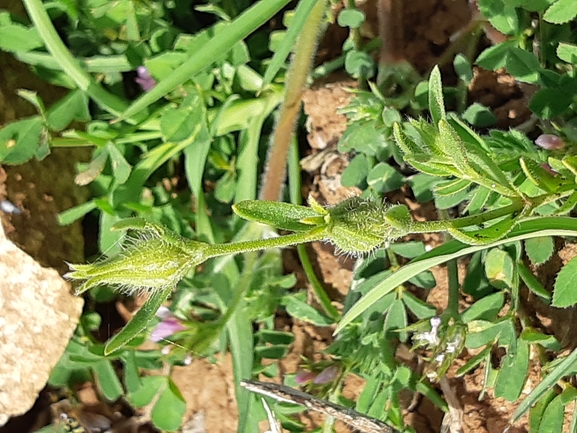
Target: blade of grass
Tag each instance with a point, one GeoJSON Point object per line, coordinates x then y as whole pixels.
{"type": "Point", "coordinates": [563, 369]}
{"type": "Point", "coordinates": [550, 226]}
{"type": "Point", "coordinates": [138, 322]}
{"type": "Point", "coordinates": [240, 28]}
{"type": "Point", "coordinates": [294, 29]}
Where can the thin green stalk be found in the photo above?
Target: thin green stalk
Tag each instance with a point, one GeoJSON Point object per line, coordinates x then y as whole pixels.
{"type": "Point", "coordinates": [262, 244]}
{"type": "Point", "coordinates": [68, 63]}
{"type": "Point", "coordinates": [441, 226]}
{"type": "Point", "coordinates": [296, 83]}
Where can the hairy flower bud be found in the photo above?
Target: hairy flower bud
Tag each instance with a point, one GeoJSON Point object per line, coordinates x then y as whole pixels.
{"type": "Point", "coordinates": [153, 258]}
{"type": "Point", "coordinates": [550, 142]}
{"type": "Point", "coordinates": [358, 225]}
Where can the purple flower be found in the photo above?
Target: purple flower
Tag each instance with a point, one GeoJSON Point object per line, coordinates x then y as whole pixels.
{"type": "Point", "coordinates": [550, 142]}
{"type": "Point", "coordinates": [170, 325]}
{"type": "Point", "coordinates": [303, 377]}
{"type": "Point", "coordinates": [327, 375]}
{"type": "Point", "coordinates": [144, 79]}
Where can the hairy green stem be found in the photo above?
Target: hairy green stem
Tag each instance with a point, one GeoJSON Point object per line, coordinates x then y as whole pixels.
{"type": "Point", "coordinates": [263, 244]}
{"type": "Point", "coordinates": [305, 47]}
{"type": "Point", "coordinates": [444, 225]}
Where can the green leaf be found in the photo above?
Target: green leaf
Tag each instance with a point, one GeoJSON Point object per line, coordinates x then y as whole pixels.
{"type": "Point", "coordinates": [513, 373]}
{"type": "Point", "coordinates": [178, 124]}
{"type": "Point", "coordinates": [17, 38]}
{"type": "Point", "coordinates": [567, 52]}
{"type": "Point", "coordinates": [422, 184]}
{"type": "Point", "coordinates": [501, 14]}
{"type": "Point", "coordinates": [275, 337]}
{"type": "Point", "coordinates": [545, 385]}
{"type": "Point", "coordinates": [384, 178]}
{"type": "Point", "coordinates": [523, 65]}
{"type": "Point", "coordinates": [436, 103]}
{"type": "Point", "coordinates": [547, 226]}
{"type": "Point", "coordinates": [120, 167]}
{"type": "Point", "coordinates": [277, 351]}
{"type": "Point", "coordinates": [74, 213]}
{"type": "Point", "coordinates": [138, 321]}
{"type": "Point", "coordinates": [481, 196]}
{"type": "Point", "coordinates": [74, 106]}
{"type": "Point", "coordinates": [463, 68]}
{"type": "Point", "coordinates": [108, 380]}
{"type": "Point", "coordinates": [169, 409]}
{"type": "Point", "coordinates": [19, 140]}
{"type": "Point", "coordinates": [549, 342]}
{"type": "Point", "coordinates": [553, 417]}
{"type": "Point", "coordinates": [536, 413]}
{"type": "Point", "coordinates": [476, 283]}
{"type": "Point", "coordinates": [356, 172]}
{"type": "Point", "coordinates": [495, 57]}
{"type": "Point", "coordinates": [486, 308]}
{"type": "Point", "coordinates": [195, 156]}
{"type": "Point", "coordinates": [276, 214]}
{"type": "Point", "coordinates": [396, 319]}
{"type": "Point", "coordinates": [448, 188]}
{"type": "Point", "coordinates": [425, 280]}
{"type": "Point", "coordinates": [486, 235]}
{"type": "Point", "coordinates": [565, 293]}
{"type": "Point", "coordinates": [409, 249]}
{"type": "Point", "coordinates": [560, 12]}
{"type": "Point", "coordinates": [359, 64]}
{"type": "Point", "coordinates": [474, 361]}
{"type": "Point", "coordinates": [532, 283]}
{"type": "Point", "coordinates": [419, 308]}
{"type": "Point", "coordinates": [298, 308]}
{"type": "Point", "coordinates": [352, 18]}
{"type": "Point", "coordinates": [499, 268]}
{"type": "Point", "coordinates": [539, 250]}
{"type": "Point", "coordinates": [32, 97]}
{"type": "Point", "coordinates": [539, 176]}
{"type": "Point", "coordinates": [480, 116]}
{"type": "Point", "coordinates": [551, 102]}
{"type": "Point", "coordinates": [284, 47]}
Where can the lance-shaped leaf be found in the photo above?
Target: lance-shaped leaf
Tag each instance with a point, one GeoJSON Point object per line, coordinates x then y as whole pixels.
{"type": "Point", "coordinates": [284, 216]}
{"type": "Point", "coordinates": [407, 145]}
{"type": "Point", "coordinates": [570, 162]}
{"type": "Point", "coordinates": [436, 103]}
{"type": "Point", "coordinates": [539, 176]}
{"type": "Point", "coordinates": [432, 165]}
{"type": "Point", "coordinates": [451, 187]}
{"type": "Point", "coordinates": [489, 173]}
{"type": "Point", "coordinates": [451, 145]}
{"type": "Point", "coordinates": [138, 322]}
{"type": "Point", "coordinates": [486, 235]}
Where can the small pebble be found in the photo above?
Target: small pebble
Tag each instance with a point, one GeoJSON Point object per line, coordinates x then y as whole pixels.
{"type": "Point", "coordinates": [8, 207]}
